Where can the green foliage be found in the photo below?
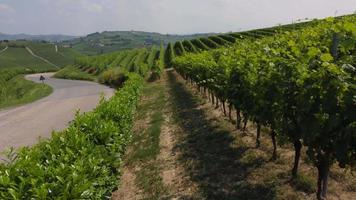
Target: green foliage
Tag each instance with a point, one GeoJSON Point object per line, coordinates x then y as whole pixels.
{"type": "Point", "coordinates": [169, 55]}
{"type": "Point", "coordinates": [199, 45]}
{"type": "Point", "coordinates": [291, 83]}
{"type": "Point", "coordinates": [74, 73]}
{"type": "Point", "coordinates": [18, 57]}
{"type": "Point", "coordinates": [178, 48]}
{"type": "Point", "coordinates": [140, 61]}
{"type": "Point", "coordinates": [304, 183]}
{"type": "Point", "coordinates": [62, 58]}
{"type": "Point", "coordinates": [152, 56]}
{"type": "Point", "coordinates": [129, 58]}
{"type": "Point", "coordinates": [80, 162]}
{"type": "Point", "coordinates": [189, 47]}
{"type": "Point", "coordinates": [215, 41]}
{"type": "Point", "coordinates": [15, 90]}
{"type": "Point", "coordinates": [97, 64]}
{"type": "Point", "coordinates": [161, 58]}
{"type": "Point", "coordinates": [227, 38]}
{"type": "Point", "coordinates": [114, 77]}
{"type": "Point", "coordinates": [139, 64]}
{"type": "Point", "coordinates": [159, 65]}
{"type": "Point", "coordinates": [210, 43]}
{"type": "Point", "coordinates": [219, 41]}
{"type": "Point", "coordinates": [18, 90]}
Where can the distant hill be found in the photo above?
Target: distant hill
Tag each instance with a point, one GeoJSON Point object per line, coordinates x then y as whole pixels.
{"type": "Point", "coordinates": [49, 38]}
{"type": "Point", "coordinates": [109, 41]}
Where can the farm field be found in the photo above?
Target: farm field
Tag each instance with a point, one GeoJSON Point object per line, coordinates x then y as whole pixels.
{"type": "Point", "coordinates": [15, 57]}
{"type": "Point", "coordinates": [260, 114]}
{"type": "Point", "coordinates": [18, 56]}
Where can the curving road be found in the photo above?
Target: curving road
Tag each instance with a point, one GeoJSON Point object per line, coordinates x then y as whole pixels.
{"type": "Point", "coordinates": [22, 126]}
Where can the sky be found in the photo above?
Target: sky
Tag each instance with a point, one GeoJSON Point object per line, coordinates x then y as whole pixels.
{"type": "Point", "coordinates": [81, 17]}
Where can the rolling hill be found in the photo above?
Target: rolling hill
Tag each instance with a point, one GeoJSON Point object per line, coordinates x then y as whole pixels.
{"type": "Point", "coordinates": [109, 41]}
{"type": "Point", "coordinates": [49, 38]}
{"type": "Point", "coordinates": [17, 54]}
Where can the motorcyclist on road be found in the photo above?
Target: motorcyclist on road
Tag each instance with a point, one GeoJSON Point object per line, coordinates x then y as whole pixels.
{"type": "Point", "coordinates": [42, 78]}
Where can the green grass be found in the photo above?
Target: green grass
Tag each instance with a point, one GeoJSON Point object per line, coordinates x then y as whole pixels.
{"type": "Point", "coordinates": [146, 144]}
{"type": "Point", "coordinates": [304, 183]}
{"type": "Point", "coordinates": [19, 91]}
{"type": "Point", "coordinates": [74, 73]}
{"type": "Point", "coordinates": [16, 57]}
{"type": "Point", "coordinates": [69, 52]}
{"type": "Point", "coordinates": [47, 51]}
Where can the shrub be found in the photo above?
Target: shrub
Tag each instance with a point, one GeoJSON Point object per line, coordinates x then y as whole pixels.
{"type": "Point", "coordinates": [114, 77]}
{"type": "Point", "coordinates": [80, 162]}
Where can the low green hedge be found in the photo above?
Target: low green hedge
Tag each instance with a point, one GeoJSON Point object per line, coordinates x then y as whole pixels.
{"type": "Point", "coordinates": [80, 162]}
{"type": "Point", "coordinates": [114, 77]}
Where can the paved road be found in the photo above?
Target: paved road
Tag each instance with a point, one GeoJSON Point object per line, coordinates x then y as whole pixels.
{"type": "Point", "coordinates": [22, 126]}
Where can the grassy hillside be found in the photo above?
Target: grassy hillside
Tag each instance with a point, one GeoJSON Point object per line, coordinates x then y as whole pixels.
{"type": "Point", "coordinates": [18, 90]}
{"type": "Point", "coordinates": [16, 55]}
{"type": "Point", "coordinates": [61, 57]}
{"type": "Point", "coordinates": [105, 42]}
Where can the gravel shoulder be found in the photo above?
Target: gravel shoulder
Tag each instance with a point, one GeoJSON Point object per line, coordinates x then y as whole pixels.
{"type": "Point", "coordinates": [22, 126]}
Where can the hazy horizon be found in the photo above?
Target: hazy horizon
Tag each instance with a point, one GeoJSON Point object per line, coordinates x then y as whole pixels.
{"type": "Point", "coordinates": [82, 17]}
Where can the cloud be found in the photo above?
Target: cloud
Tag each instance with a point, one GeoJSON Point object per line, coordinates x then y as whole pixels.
{"type": "Point", "coordinates": [166, 16]}
{"type": "Point", "coordinates": [4, 8]}
{"type": "Point", "coordinates": [6, 15]}
{"type": "Point", "coordinates": [94, 7]}
{"type": "Point", "coordinates": [81, 5]}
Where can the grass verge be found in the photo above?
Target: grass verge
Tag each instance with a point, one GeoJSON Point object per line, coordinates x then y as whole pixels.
{"type": "Point", "coordinates": [19, 91]}
{"type": "Point", "coordinates": [145, 146]}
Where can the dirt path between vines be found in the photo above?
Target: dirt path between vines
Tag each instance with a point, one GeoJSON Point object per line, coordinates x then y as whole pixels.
{"type": "Point", "coordinates": [199, 154]}
{"type": "Point", "coordinates": [152, 169]}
